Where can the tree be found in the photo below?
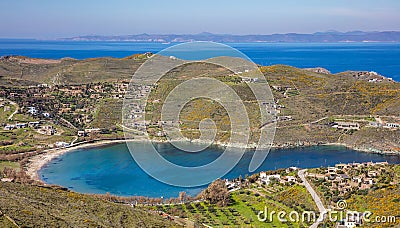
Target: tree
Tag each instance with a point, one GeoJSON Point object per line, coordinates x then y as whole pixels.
{"type": "Point", "coordinates": [217, 193]}
{"type": "Point", "coordinates": [182, 197]}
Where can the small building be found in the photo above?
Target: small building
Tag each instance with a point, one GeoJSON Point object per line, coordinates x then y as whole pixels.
{"type": "Point", "coordinates": [61, 144]}
{"type": "Point", "coordinates": [230, 184]}
{"type": "Point", "coordinates": [291, 169]}
{"type": "Point", "coordinates": [375, 124]}
{"type": "Point", "coordinates": [290, 179]}
{"type": "Point", "coordinates": [81, 133]}
{"type": "Point", "coordinates": [284, 118]}
{"type": "Point", "coordinates": [317, 175]}
{"type": "Point", "coordinates": [268, 179]}
{"type": "Point", "coordinates": [368, 181]}
{"type": "Point", "coordinates": [341, 166]}
{"type": "Point", "coordinates": [32, 110]}
{"type": "Point", "coordinates": [248, 79]}
{"type": "Point", "coordinates": [332, 170]}
{"type": "Point", "coordinates": [372, 173]}
{"type": "Point", "coordinates": [346, 125]}
{"type": "Point", "coordinates": [5, 179]}
{"type": "Point", "coordinates": [9, 127]}
{"type": "Point", "coordinates": [382, 163]}
{"type": "Point", "coordinates": [357, 179]}
{"type": "Point", "coordinates": [47, 130]}
{"type": "Point", "coordinates": [21, 125]}
{"type": "Point", "coordinates": [92, 130]}
{"type": "Point", "coordinates": [34, 124]}
{"type": "Point", "coordinates": [392, 125]}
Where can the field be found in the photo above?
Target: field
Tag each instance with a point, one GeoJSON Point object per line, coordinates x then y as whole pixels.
{"type": "Point", "coordinates": [9, 164]}
{"type": "Point", "coordinates": [245, 205]}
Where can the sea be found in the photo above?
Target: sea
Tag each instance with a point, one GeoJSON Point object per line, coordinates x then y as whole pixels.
{"type": "Point", "coordinates": [383, 58]}
{"type": "Point", "coordinates": [112, 169]}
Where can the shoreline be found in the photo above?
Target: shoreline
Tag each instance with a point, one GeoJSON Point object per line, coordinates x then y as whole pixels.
{"type": "Point", "coordinates": [37, 162]}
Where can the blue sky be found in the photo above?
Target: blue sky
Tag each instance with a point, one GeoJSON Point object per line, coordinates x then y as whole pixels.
{"type": "Point", "coordinates": [54, 19]}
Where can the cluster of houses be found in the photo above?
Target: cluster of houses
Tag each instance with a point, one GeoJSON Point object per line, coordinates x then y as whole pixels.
{"type": "Point", "coordinates": [50, 102]}
{"type": "Point", "coordinates": [4, 105]}
{"type": "Point", "coordinates": [89, 131]}
{"type": "Point", "coordinates": [34, 112]}
{"type": "Point", "coordinates": [266, 179]}
{"type": "Point", "coordinates": [345, 177]}
{"type": "Point", "coordinates": [370, 76]}
{"type": "Point", "coordinates": [32, 124]}
{"type": "Point", "coordinates": [249, 80]}
{"type": "Point", "coordinates": [96, 91]}
{"type": "Point", "coordinates": [356, 126]}
{"type": "Point", "coordinates": [385, 125]}
{"type": "Point", "coordinates": [274, 108]}
{"type": "Point", "coordinates": [37, 125]}
{"type": "Point", "coordinates": [135, 118]}
{"type": "Point", "coordinates": [232, 185]}
{"type": "Point", "coordinates": [287, 91]}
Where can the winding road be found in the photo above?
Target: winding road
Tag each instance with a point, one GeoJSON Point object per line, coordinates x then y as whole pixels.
{"type": "Point", "coordinates": [317, 200]}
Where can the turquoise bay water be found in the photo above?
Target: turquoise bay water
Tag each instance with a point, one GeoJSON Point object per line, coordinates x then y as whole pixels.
{"type": "Point", "coordinates": [112, 169]}
{"type": "Point", "coordinates": [336, 57]}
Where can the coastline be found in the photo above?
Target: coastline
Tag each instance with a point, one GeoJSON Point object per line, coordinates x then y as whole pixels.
{"type": "Point", "coordinates": [37, 162]}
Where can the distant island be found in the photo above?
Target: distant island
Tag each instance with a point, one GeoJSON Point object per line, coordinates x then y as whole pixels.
{"type": "Point", "coordinates": [319, 37]}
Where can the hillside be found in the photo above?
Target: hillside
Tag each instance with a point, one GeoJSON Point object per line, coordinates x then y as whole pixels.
{"type": "Point", "coordinates": [53, 103]}
{"type": "Point", "coordinates": [32, 206]}
{"type": "Point", "coordinates": [308, 103]}
{"type": "Point", "coordinates": [84, 94]}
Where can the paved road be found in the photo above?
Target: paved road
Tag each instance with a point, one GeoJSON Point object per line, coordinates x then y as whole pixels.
{"type": "Point", "coordinates": [317, 200]}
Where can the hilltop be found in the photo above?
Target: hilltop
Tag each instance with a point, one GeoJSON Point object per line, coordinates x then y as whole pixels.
{"type": "Point", "coordinates": [24, 71]}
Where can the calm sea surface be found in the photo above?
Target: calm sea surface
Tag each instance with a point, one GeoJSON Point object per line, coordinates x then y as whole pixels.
{"type": "Point", "coordinates": [383, 58]}
{"type": "Point", "coordinates": [112, 169]}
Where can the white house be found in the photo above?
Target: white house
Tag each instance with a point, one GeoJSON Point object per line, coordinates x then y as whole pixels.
{"type": "Point", "coordinates": [61, 144]}
{"type": "Point", "coordinates": [9, 127]}
{"type": "Point", "coordinates": [267, 180]}
{"type": "Point", "coordinates": [290, 179]}
{"type": "Point", "coordinates": [32, 110]}
{"type": "Point", "coordinates": [392, 125]}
